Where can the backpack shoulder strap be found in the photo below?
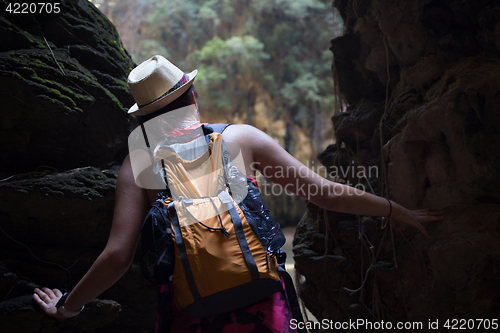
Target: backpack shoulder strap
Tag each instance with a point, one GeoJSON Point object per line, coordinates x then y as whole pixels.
{"type": "Point", "coordinates": [211, 128]}
{"type": "Point", "coordinates": [218, 128]}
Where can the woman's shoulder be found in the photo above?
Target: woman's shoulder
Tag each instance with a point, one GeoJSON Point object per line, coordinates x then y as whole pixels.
{"type": "Point", "coordinates": [239, 127]}
{"type": "Point", "coordinates": [241, 134]}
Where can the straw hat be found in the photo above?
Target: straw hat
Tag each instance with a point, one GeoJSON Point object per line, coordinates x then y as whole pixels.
{"type": "Point", "coordinates": [155, 83]}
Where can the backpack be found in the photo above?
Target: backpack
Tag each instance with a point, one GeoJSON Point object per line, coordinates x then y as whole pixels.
{"type": "Point", "coordinates": [224, 258]}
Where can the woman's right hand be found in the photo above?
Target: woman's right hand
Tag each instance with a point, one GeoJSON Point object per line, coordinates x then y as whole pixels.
{"type": "Point", "coordinates": [47, 300]}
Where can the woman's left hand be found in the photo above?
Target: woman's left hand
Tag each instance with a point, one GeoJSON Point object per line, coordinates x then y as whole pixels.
{"type": "Point", "coordinates": [47, 300]}
{"type": "Point", "coordinates": [415, 218]}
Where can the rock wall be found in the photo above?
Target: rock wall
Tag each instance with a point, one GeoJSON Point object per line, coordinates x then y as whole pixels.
{"type": "Point", "coordinates": [421, 83]}
{"type": "Point", "coordinates": [63, 134]}
{"type": "Point", "coordinates": [62, 89]}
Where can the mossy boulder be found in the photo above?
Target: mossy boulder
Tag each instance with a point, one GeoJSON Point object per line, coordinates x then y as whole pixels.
{"type": "Point", "coordinates": [63, 135]}
{"type": "Point", "coordinates": [63, 92]}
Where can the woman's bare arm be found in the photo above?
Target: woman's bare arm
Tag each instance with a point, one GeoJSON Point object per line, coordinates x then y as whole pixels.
{"type": "Point", "coordinates": [277, 165]}
{"type": "Point", "coordinates": [130, 209]}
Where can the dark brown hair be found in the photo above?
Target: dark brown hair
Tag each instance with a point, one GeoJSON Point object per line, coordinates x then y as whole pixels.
{"type": "Point", "coordinates": [186, 99]}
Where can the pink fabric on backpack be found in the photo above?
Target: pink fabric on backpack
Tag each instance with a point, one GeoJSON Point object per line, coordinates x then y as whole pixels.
{"type": "Point", "coordinates": [181, 131]}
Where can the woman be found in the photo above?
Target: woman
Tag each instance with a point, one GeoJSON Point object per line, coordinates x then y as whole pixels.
{"type": "Point", "coordinates": [161, 89]}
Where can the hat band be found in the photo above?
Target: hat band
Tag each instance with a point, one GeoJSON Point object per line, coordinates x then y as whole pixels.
{"type": "Point", "coordinates": [184, 79]}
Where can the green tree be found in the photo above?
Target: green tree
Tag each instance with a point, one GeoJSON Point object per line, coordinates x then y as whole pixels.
{"type": "Point", "coordinates": [243, 48]}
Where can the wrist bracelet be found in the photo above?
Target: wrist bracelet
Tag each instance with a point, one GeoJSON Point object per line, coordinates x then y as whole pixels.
{"type": "Point", "coordinates": [385, 219]}
{"type": "Point", "coordinates": [390, 206]}
{"type": "Point", "coordinates": [65, 312]}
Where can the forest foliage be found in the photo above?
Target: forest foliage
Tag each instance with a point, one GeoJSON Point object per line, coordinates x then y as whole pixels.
{"type": "Point", "coordinates": [240, 47]}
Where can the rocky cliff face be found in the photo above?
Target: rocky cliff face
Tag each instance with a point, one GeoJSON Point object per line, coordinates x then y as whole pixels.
{"type": "Point", "coordinates": [63, 132]}
{"type": "Point", "coordinates": [421, 81]}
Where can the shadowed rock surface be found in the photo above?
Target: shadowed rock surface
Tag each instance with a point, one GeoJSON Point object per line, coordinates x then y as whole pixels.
{"type": "Point", "coordinates": [63, 134]}
{"type": "Point", "coordinates": [438, 64]}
